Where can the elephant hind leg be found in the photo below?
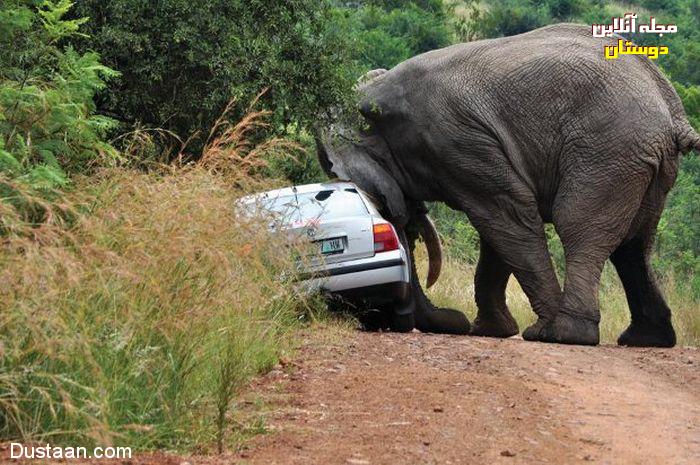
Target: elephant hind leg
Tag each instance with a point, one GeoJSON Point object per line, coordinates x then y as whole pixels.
{"type": "Point", "coordinates": [592, 221]}
{"type": "Point", "coordinates": [493, 318]}
{"type": "Point", "coordinates": [651, 317]}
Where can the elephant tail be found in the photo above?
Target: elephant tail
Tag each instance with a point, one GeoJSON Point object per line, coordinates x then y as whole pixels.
{"type": "Point", "coordinates": [686, 137]}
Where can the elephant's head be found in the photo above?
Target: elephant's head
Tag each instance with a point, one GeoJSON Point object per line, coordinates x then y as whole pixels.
{"type": "Point", "coordinates": [363, 156]}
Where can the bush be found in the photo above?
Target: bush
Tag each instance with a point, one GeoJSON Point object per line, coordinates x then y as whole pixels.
{"type": "Point", "coordinates": [385, 33]}
{"type": "Point", "coordinates": [47, 123]}
{"type": "Point", "coordinates": [183, 60]}
{"type": "Point", "coordinates": [677, 246]}
{"type": "Point", "coordinates": [143, 318]}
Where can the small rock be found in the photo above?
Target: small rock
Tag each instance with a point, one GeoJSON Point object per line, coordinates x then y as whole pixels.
{"type": "Point", "coordinates": [426, 443]}
{"type": "Point", "coordinates": [438, 410]}
{"type": "Point", "coordinates": [357, 462]}
{"type": "Point", "coordinates": [507, 453]}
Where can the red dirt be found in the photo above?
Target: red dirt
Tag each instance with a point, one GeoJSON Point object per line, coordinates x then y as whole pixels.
{"type": "Point", "coordinates": [417, 398]}
{"type": "Point", "coordinates": [367, 398]}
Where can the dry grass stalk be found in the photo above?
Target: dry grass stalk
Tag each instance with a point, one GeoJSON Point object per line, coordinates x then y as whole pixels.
{"type": "Point", "coordinates": [142, 317]}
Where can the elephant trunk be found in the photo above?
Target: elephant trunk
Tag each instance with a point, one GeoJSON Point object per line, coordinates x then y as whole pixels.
{"type": "Point", "coordinates": [432, 243]}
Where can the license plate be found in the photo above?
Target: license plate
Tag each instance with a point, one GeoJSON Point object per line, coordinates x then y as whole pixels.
{"type": "Point", "coordinates": [332, 246]}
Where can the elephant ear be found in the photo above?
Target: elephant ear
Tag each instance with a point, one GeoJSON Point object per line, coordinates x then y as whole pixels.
{"type": "Point", "coordinates": [369, 77]}
{"type": "Point", "coordinates": [356, 161]}
{"type": "Point", "coordinates": [371, 109]}
{"type": "Point", "coordinates": [369, 105]}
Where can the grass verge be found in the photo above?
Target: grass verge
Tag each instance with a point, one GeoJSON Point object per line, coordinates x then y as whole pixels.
{"type": "Point", "coordinates": [140, 323]}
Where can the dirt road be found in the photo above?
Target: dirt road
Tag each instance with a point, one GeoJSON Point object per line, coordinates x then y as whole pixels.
{"type": "Point", "coordinates": [366, 398]}
{"type": "Point", "coordinates": [358, 398]}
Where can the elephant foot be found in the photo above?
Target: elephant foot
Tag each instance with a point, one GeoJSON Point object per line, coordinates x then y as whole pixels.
{"type": "Point", "coordinates": [495, 327]}
{"type": "Point", "coordinates": [535, 331]}
{"type": "Point", "coordinates": [443, 321]}
{"type": "Point", "coordinates": [564, 329]}
{"type": "Point", "coordinates": [648, 335]}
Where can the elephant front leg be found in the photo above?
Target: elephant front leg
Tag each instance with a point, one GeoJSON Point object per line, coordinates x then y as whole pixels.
{"type": "Point", "coordinates": [493, 318]}
{"type": "Point", "coordinates": [514, 230]}
{"type": "Point", "coordinates": [651, 324]}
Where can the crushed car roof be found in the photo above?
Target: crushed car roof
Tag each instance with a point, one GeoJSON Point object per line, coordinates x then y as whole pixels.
{"type": "Point", "coordinates": [300, 189]}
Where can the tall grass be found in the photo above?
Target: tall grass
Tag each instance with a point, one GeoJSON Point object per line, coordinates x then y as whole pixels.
{"type": "Point", "coordinates": [138, 322]}
{"type": "Point", "coordinates": [456, 289]}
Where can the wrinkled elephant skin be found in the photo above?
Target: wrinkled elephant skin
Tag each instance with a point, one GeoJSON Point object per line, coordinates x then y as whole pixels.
{"type": "Point", "coordinates": [518, 132]}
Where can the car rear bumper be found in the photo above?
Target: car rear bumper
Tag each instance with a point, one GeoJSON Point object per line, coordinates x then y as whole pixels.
{"type": "Point", "coordinates": [394, 294]}
{"type": "Point", "coordinates": [383, 268]}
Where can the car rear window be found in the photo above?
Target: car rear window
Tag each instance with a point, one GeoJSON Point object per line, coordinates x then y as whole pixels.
{"type": "Point", "coordinates": [326, 205]}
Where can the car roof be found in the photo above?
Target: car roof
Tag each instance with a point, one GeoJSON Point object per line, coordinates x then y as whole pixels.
{"type": "Point", "coordinates": [301, 189]}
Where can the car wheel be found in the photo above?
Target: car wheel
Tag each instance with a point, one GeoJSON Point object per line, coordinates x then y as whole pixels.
{"type": "Point", "coordinates": [374, 320]}
{"type": "Point", "coordinates": [402, 323]}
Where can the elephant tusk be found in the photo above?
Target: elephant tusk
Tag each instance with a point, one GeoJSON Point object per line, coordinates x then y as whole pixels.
{"type": "Point", "coordinates": [432, 243]}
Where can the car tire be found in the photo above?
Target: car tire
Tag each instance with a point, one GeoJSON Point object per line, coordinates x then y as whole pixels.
{"type": "Point", "coordinates": [374, 320]}
{"type": "Point", "coordinates": [402, 323]}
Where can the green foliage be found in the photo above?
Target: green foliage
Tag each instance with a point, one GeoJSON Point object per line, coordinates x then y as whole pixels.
{"type": "Point", "coordinates": [47, 121]}
{"type": "Point", "coordinates": [301, 167]}
{"type": "Point", "coordinates": [459, 236]}
{"type": "Point", "coordinates": [56, 26]}
{"type": "Point", "coordinates": [182, 61]}
{"type": "Point", "coordinates": [690, 96]}
{"type": "Point", "coordinates": [511, 17]}
{"type": "Point", "coordinates": [678, 247]}
{"type": "Point", "coordinates": [387, 32]}
{"type": "Point", "coordinates": [142, 325]}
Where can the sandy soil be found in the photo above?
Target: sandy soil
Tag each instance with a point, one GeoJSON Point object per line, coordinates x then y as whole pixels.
{"type": "Point", "coordinates": [370, 398]}
{"type": "Point", "coordinates": [416, 398]}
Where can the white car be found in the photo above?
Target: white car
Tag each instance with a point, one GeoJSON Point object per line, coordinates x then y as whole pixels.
{"type": "Point", "coordinates": [361, 259]}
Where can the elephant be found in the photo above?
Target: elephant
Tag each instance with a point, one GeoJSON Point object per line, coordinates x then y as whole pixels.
{"type": "Point", "coordinates": [517, 132]}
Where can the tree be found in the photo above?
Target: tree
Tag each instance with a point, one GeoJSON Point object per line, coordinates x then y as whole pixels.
{"type": "Point", "coordinates": [182, 61]}
{"type": "Point", "coordinates": [47, 121]}
{"type": "Point", "coordinates": [387, 32]}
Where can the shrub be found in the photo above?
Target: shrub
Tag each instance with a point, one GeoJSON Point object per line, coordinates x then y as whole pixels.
{"type": "Point", "coordinates": [385, 33]}
{"type": "Point", "coordinates": [47, 123]}
{"type": "Point", "coordinates": [183, 60]}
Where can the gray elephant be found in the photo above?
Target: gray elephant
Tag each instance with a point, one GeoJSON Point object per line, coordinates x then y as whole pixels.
{"type": "Point", "coordinates": [518, 132]}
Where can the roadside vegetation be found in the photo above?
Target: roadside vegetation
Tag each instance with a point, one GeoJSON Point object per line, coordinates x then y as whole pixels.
{"type": "Point", "coordinates": [134, 304]}
{"type": "Point", "coordinates": [140, 322]}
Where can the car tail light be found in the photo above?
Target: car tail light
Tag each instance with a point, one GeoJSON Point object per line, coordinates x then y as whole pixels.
{"type": "Point", "coordinates": [385, 237]}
